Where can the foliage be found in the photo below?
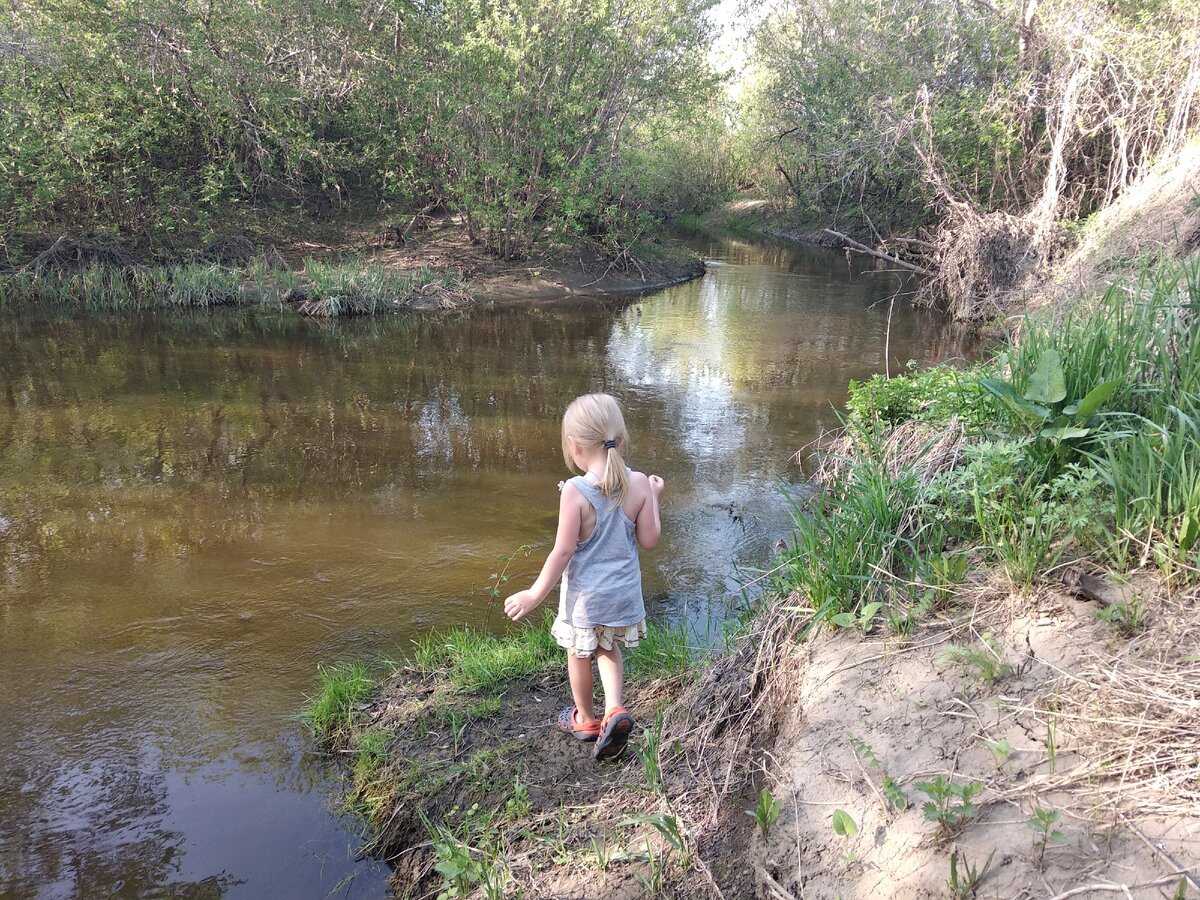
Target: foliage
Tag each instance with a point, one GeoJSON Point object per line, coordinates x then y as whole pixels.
{"type": "Point", "coordinates": [950, 805]}
{"type": "Point", "coordinates": [843, 824]}
{"type": "Point", "coordinates": [766, 811]}
{"type": "Point", "coordinates": [1042, 822]}
{"type": "Point", "coordinates": [530, 117]}
{"type": "Point", "coordinates": [341, 691]}
{"type": "Point", "coordinates": [987, 663]}
{"type": "Point", "coordinates": [965, 883]}
{"type": "Point", "coordinates": [477, 661]}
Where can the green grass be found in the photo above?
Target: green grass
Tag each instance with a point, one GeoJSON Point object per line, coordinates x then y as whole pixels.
{"type": "Point", "coordinates": [341, 691]}
{"type": "Point", "coordinates": [1121, 485]}
{"type": "Point", "coordinates": [476, 660]}
{"type": "Point", "coordinates": [333, 289]}
{"type": "Point", "coordinates": [662, 653]}
{"type": "Point", "coordinates": [357, 288]}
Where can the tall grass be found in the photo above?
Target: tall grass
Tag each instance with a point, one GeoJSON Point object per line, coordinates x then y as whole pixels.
{"type": "Point", "coordinates": [476, 660]}
{"type": "Point", "coordinates": [1125, 488]}
{"type": "Point", "coordinates": [341, 691]}
{"type": "Point", "coordinates": [353, 289]}
{"type": "Point", "coordinates": [332, 289]}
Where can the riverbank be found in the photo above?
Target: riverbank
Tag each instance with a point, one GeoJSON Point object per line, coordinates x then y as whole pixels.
{"type": "Point", "coordinates": [975, 673]}
{"type": "Point", "coordinates": [363, 268]}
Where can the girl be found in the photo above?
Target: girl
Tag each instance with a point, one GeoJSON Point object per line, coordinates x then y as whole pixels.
{"type": "Point", "coordinates": [603, 515]}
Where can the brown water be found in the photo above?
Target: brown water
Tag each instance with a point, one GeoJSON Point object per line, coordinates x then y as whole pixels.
{"type": "Point", "coordinates": [195, 512]}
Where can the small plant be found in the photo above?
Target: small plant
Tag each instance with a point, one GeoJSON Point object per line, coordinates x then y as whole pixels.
{"type": "Point", "coordinates": [1042, 822]}
{"type": "Point", "coordinates": [965, 884]}
{"type": "Point", "coordinates": [648, 750]}
{"type": "Point", "coordinates": [667, 826]}
{"type": "Point", "coordinates": [518, 807]}
{"type": "Point", "coordinates": [950, 805]}
{"type": "Point", "coordinates": [1001, 750]}
{"type": "Point", "coordinates": [863, 619]}
{"type": "Point", "coordinates": [890, 788]}
{"type": "Point", "coordinates": [498, 579]}
{"type": "Point", "coordinates": [1052, 742]}
{"type": "Point", "coordinates": [895, 795]}
{"type": "Point", "coordinates": [843, 824]}
{"type": "Point", "coordinates": [1126, 618]}
{"type": "Point", "coordinates": [986, 664]}
{"type": "Point", "coordinates": [766, 811]}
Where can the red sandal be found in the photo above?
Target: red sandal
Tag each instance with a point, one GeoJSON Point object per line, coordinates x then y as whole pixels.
{"type": "Point", "coordinates": [587, 731]}
{"type": "Point", "coordinates": [615, 729]}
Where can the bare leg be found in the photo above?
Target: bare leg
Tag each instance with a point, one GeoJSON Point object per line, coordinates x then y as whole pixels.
{"type": "Point", "coordinates": [612, 672]}
{"type": "Point", "coordinates": [579, 672]}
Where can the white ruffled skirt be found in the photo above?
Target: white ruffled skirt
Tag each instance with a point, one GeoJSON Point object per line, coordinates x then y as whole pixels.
{"type": "Point", "coordinates": [582, 642]}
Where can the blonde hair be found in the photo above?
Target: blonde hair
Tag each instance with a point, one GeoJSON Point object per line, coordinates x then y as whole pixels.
{"type": "Point", "coordinates": [591, 421]}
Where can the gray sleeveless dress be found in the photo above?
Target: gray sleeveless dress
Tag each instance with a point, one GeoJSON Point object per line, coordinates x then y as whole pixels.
{"type": "Point", "coordinates": [601, 597]}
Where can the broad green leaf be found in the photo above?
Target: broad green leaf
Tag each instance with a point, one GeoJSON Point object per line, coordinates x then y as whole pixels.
{"type": "Point", "coordinates": [1047, 383]}
{"type": "Point", "coordinates": [1096, 398]}
{"type": "Point", "coordinates": [844, 620]}
{"type": "Point", "coordinates": [1065, 433]}
{"type": "Point", "coordinates": [1023, 408]}
{"type": "Point", "coordinates": [868, 611]}
{"type": "Point", "coordinates": [843, 825]}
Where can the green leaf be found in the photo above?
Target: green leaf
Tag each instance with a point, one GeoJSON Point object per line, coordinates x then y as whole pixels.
{"type": "Point", "coordinates": [1096, 398]}
{"type": "Point", "coordinates": [868, 612]}
{"type": "Point", "coordinates": [1065, 433]}
{"type": "Point", "coordinates": [1047, 384]}
{"type": "Point", "coordinates": [844, 620]}
{"type": "Point", "coordinates": [843, 825]}
{"type": "Point", "coordinates": [1018, 404]}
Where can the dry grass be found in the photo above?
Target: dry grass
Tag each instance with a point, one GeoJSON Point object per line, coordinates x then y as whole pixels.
{"type": "Point", "coordinates": [912, 447]}
{"type": "Point", "coordinates": [1132, 715]}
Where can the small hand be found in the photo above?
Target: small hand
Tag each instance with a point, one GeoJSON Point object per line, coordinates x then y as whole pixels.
{"type": "Point", "coordinates": [656, 485]}
{"type": "Point", "coordinates": [521, 604]}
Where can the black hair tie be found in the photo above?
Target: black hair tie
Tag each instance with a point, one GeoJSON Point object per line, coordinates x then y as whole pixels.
{"type": "Point", "coordinates": [610, 445]}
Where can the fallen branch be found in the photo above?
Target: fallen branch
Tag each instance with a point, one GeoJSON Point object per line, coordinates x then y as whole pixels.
{"type": "Point", "coordinates": [863, 248]}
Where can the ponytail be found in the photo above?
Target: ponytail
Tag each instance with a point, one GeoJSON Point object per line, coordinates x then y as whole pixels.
{"type": "Point", "coordinates": [614, 483]}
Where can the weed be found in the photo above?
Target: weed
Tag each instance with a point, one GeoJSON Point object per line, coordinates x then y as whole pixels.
{"type": "Point", "coordinates": [1052, 742]}
{"type": "Point", "coordinates": [498, 579]}
{"type": "Point", "coordinates": [667, 825]}
{"type": "Point", "coordinates": [1001, 750]}
{"type": "Point", "coordinates": [891, 790]}
{"type": "Point", "coordinates": [966, 883]}
{"type": "Point", "coordinates": [843, 824]}
{"type": "Point", "coordinates": [518, 807]}
{"type": "Point", "coordinates": [987, 664]}
{"type": "Point", "coordinates": [648, 750]}
{"type": "Point", "coordinates": [341, 690]}
{"type": "Point", "coordinates": [1042, 822]}
{"type": "Point", "coordinates": [950, 805]}
{"type": "Point", "coordinates": [1126, 618]}
{"type": "Point", "coordinates": [766, 811]}
{"type": "Point", "coordinates": [469, 856]}
{"type": "Point", "coordinates": [863, 618]}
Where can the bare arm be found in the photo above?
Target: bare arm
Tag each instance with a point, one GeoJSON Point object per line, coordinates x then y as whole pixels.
{"type": "Point", "coordinates": [524, 602]}
{"type": "Point", "coordinates": [649, 529]}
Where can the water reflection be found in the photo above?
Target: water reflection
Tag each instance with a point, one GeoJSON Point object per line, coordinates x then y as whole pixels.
{"type": "Point", "coordinates": [196, 511]}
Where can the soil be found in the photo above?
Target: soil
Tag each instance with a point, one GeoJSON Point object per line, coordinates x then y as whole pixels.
{"type": "Point", "coordinates": [868, 710]}
{"type": "Point", "coordinates": [1099, 729]}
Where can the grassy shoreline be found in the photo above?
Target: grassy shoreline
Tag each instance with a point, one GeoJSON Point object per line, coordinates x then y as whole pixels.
{"type": "Point", "coordinates": [320, 289]}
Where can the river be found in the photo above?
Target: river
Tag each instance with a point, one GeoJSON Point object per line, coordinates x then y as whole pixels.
{"type": "Point", "coordinates": [197, 509]}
